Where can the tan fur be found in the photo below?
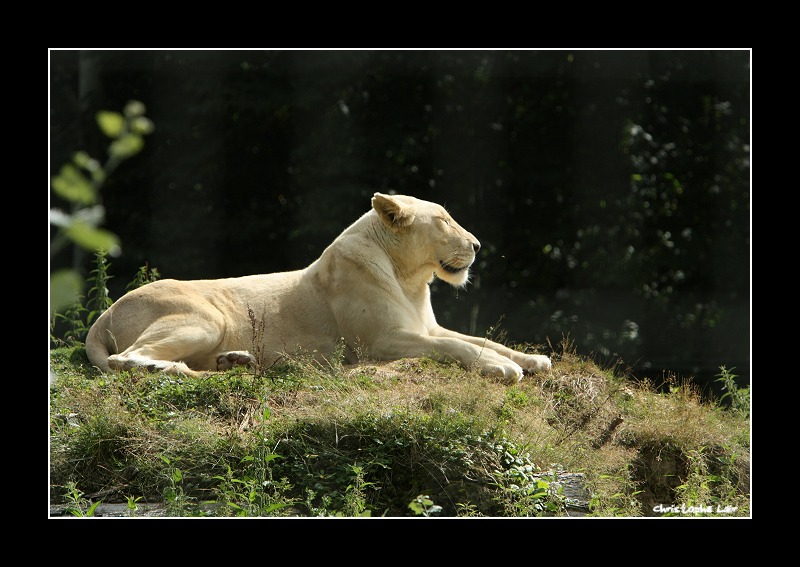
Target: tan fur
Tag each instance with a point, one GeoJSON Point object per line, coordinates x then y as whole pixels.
{"type": "Point", "coordinates": [369, 289]}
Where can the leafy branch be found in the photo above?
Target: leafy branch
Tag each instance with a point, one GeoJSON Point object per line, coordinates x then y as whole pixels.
{"type": "Point", "coordinates": [79, 183]}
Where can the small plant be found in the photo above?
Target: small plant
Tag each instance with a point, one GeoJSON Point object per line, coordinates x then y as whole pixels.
{"type": "Point", "coordinates": [177, 501]}
{"type": "Point", "coordinates": [355, 498]}
{"type": "Point", "coordinates": [74, 319]}
{"type": "Point", "coordinates": [144, 276]}
{"type": "Point", "coordinates": [250, 496]}
{"type": "Point", "coordinates": [257, 492]}
{"type": "Point", "coordinates": [258, 327]}
{"type": "Point", "coordinates": [697, 491]}
{"type": "Point", "coordinates": [268, 496]}
{"type": "Point", "coordinates": [77, 504]}
{"type": "Point", "coordinates": [739, 398]}
{"type": "Point", "coordinates": [514, 399]}
{"type": "Point", "coordinates": [98, 300]}
{"type": "Point", "coordinates": [467, 510]}
{"type": "Point", "coordinates": [133, 505]}
{"type": "Point", "coordinates": [422, 505]}
{"type": "Point", "coordinates": [621, 503]}
{"type": "Point", "coordinates": [79, 317]}
{"type": "Point", "coordinates": [708, 489]}
{"type": "Point", "coordinates": [523, 490]}
{"type": "Point", "coordinates": [317, 511]}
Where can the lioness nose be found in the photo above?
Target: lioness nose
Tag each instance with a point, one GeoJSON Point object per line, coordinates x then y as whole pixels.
{"type": "Point", "coordinates": [476, 246]}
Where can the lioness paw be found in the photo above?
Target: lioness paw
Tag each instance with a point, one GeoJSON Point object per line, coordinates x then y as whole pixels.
{"type": "Point", "coordinates": [534, 363]}
{"type": "Point", "coordinates": [228, 360]}
{"type": "Point", "coordinates": [508, 373]}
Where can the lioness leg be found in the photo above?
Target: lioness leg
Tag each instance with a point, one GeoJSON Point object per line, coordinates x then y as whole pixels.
{"type": "Point", "coordinates": [170, 347]}
{"type": "Point", "coordinates": [225, 361]}
{"type": "Point", "coordinates": [489, 362]}
{"type": "Point", "coordinates": [530, 363]}
{"type": "Point", "coordinates": [130, 361]}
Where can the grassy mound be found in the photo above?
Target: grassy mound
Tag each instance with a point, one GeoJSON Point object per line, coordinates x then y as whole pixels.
{"type": "Point", "coordinates": [407, 438]}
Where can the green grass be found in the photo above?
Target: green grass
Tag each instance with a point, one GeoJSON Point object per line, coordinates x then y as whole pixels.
{"type": "Point", "coordinates": [406, 438]}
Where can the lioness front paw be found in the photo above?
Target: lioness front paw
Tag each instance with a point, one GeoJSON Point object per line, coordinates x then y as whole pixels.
{"type": "Point", "coordinates": [508, 373]}
{"type": "Point", "coordinates": [534, 363]}
{"type": "Point", "coordinates": [228, 360]}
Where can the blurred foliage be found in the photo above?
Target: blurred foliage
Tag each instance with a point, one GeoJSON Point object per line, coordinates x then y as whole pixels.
{"type": "Point", "coordinates": [609, 189]}
{"type": "Point", "coordinates": [78, 183]}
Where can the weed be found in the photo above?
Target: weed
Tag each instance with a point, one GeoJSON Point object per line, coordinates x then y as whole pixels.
{"type": "Point", "coordinates": [523, 491]}
{"type": "Point", "coordinates": [355, 504]}
{"type": "Point", "coordinates": [616, 495]}
{"type": "Point", "coordinates": [467, 510]}
{"type": "Point", "coordinates": [256, 492]}
{"type": "Point", "coordinates": [259, 327]}
{"type": "Point", "coordinates": [707, 492]}
{"type": "Point", "coordinates": [321, 510]}
{"type": "Point", "coordinates": [177, 501]}
{"type": "Point", "coordinates": [739, 398]}
{"type": "Point", "coordinates": [98, 300]}
{"type": "Point", "coordinates": [77, 505]}
{"type": "Point", "coordinates": [144, 276]}
{"type": "Point", "coordinates": [74, 319]}
{"type": "Point", "coordinates": [422, 505]}
{"type": "Point", "coordinates": [133, 504]}
{"type": "Point", "coordinates": [515, 399]}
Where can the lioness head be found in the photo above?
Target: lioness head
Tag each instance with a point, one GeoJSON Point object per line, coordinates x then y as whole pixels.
{"type": "Point", "coordinates": [428, 237]}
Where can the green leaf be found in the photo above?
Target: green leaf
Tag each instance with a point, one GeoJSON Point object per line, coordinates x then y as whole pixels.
{"type": "Point", "coordinates": [127, 146]}
{"type": "Point", "coordinates": [91, 238]}
{"type": "Point", "coordinates": [66, 287]}
{"type": "Point", "coordinates": [73, 186]}
{"type": "Point", "coordinates": [134, 108]}
{"type": "Point", "coordinates": [111, 123]}
{"type": "Point", "coordinates": [142, 125]}
{"type": "Point", "coordinates": [85, 161]}
{"type": "Point", "coordinates": [60, 218]}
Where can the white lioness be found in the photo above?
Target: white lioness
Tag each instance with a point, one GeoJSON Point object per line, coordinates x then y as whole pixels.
{"type": "Point", "coordinates": [370, 289]}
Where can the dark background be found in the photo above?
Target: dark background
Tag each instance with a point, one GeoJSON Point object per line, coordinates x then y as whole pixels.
{"type": "Point", "coordinates": [610, 190]}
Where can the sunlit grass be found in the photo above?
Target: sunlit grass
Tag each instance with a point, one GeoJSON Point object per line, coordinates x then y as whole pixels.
{"type": "Point", "coordinates": [320, 440]}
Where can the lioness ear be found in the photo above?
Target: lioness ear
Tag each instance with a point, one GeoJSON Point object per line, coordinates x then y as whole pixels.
{"type": "Point", "coordinates": [391, 211]}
